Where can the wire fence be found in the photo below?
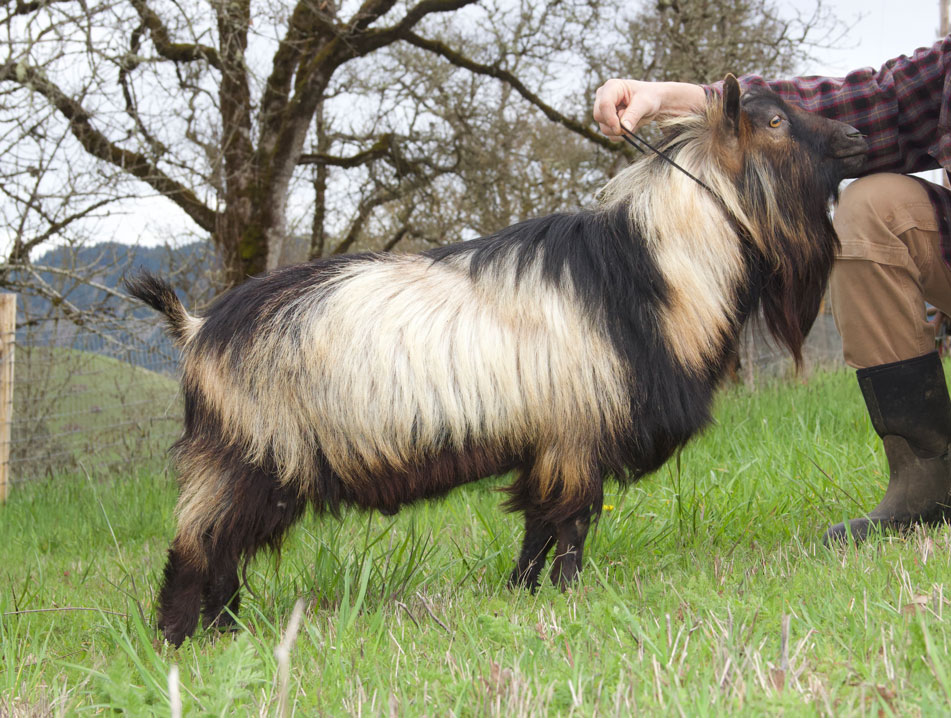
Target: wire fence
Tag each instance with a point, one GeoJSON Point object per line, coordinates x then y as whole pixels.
{"type": "Point", "coordinates": [761, 357]}
{"type": "Point", "coordinates": [92, 401]}
{"type": "Point", "coordinates": [97, 401]}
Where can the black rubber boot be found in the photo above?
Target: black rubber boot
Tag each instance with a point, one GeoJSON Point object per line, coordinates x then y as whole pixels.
{"type": "Point", "coordinates": [910, 410]}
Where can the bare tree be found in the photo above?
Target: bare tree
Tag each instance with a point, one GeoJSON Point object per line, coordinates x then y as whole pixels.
{"type": "Point", "coordinates": [384, 123]}
{"type": "Point", "coordinates": [207, 105]}
{"type": "Point", "coordinates": [500, 156]}
{"type": "Point", "coordinates": [700, 40]}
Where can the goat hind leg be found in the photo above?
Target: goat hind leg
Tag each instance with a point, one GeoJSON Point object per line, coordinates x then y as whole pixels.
{"type": "Point", "coordinates": [180, 598]}
{"type": "Point", "coordinates": [260, 513]}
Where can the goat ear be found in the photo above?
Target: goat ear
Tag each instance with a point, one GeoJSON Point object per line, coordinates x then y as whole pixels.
{"type": "Point", "coordinates": [731, 102]}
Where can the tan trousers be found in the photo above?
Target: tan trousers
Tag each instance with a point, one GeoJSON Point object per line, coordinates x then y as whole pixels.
{"type": "Point", "coordinates": [890, 265]}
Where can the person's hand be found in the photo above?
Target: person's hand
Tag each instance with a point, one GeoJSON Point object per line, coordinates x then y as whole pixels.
{"type": "Point", "coordinates": [634, 103]}
{"type": "Point", "coordinates": [630, 102]}
{"type": "Point", "coordinates": [940, 322]}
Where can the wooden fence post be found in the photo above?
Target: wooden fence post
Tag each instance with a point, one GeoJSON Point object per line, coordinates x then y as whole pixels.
{"type": "Point", "coordinates": [8, 325]}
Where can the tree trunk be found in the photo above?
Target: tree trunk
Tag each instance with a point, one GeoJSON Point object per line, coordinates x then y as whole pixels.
{"type": "Point", "coordinates": [318, 229]}
{"type": "Point", "coordinates": [240, 229]}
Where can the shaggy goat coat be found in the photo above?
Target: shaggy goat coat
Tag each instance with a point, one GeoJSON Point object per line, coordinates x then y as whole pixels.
{"type": "Point", "coordinates": [564, 349]}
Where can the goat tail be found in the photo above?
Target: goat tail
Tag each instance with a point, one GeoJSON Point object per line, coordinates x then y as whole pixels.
{"type": "Point", "coordinates": [159, 295]}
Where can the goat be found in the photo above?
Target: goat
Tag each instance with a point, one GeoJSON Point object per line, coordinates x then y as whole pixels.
{"type": "Point", "coordinates": [564, 350]}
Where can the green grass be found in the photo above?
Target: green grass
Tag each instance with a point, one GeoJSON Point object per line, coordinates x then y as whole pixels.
{"type": "Point", "coordinates": [689, 581]}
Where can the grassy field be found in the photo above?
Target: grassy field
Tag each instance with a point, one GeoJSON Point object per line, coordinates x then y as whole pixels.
{"type": "Point", "coordinates": [705, 592]}
{"type": "Point", "coordinates": [75, 407]}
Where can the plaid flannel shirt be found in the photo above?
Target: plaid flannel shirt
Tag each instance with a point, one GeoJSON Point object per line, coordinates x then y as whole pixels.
{"type": "Point", "coordinates": [903, 109]}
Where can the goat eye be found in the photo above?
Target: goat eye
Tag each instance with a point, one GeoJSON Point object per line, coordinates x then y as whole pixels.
{"type": "Point", "coordinates": [776, 121]}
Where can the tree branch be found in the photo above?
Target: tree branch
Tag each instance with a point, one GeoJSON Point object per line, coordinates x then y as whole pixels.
{"type": "Point", "coordinates": [382, 196]}
{"type": "Point", "coordinates": [25, 8]}
{"type": "Point", "coordinates": [368, 41]}
{"type": "Point", "coordinates": [22, 249]}
{"type": "Point", "coordinates": [99, 146]}
{"type": "Point", "coordinates": [64, 272]}
{"type": "Point", "coordinates": [285, 120]}
{"type": "Point", "coordinates": [177, 51]}
{"type": "Point", "coordinates": [234, 98]}
{"type": "Point", "coordinates": [460, 60]}
{"type": "Point", "coordinates": [308, 21]}
{"type": "Point", "coordinates": [125, 68]}
{"type": "Point", "coordinates": [395, 239]}
{"type": "Point", "coordinates": [365, 209]}
{"type": "Point", "coordinates": [379, 149]}
{"type": "Point", "coordinates": [370, 11]}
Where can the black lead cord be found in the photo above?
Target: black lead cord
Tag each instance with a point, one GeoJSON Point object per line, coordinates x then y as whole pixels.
{"type": "Point", "coordinates": [633, 141]}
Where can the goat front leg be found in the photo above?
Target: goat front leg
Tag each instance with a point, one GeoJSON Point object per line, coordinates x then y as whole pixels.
{"type": "Point", "coordinates": [539, 538]}
{"type": "Point", "coordinates": [571, 535]}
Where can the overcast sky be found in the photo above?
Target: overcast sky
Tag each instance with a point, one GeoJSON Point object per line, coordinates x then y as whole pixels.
{"type": "Point", "coordinates": [881, 30]}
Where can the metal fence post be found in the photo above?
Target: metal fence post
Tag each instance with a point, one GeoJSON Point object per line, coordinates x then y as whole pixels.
{"type": "Point", "coordinates": [8, 325]}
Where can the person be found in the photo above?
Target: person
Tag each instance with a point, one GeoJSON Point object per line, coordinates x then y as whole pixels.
{"type": "Point", "coordinates": [895, 232]}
